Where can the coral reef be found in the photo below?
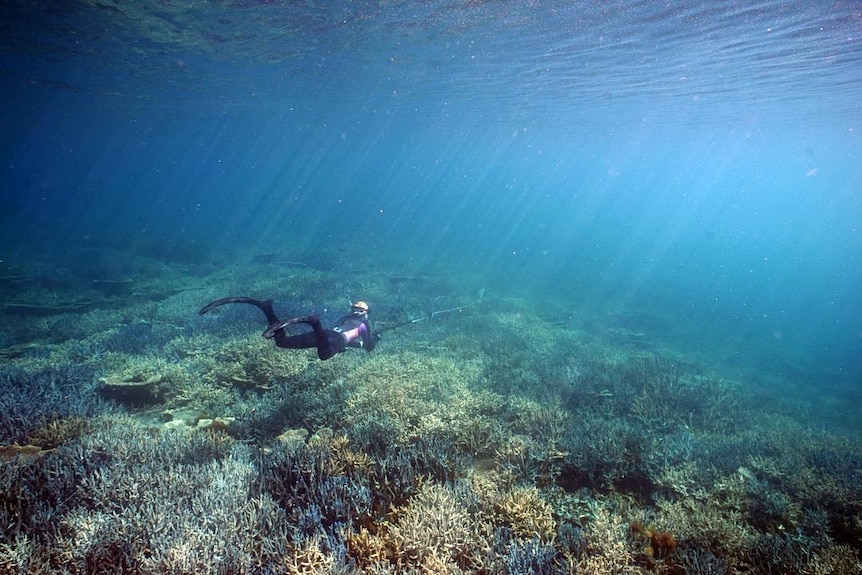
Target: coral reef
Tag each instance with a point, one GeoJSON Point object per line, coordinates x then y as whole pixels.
{"type": "Point", "coordinates": [490, 442]}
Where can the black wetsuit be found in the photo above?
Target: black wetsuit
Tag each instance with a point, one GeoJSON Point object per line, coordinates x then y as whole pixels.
{"type": "Point", "coordinates": [352, 330]}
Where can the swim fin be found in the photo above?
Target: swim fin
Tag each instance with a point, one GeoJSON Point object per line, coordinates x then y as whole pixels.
{"type": "Point", "coordinates": [312, 320]}
{"type": "Point", "coordinates": [265, 305]}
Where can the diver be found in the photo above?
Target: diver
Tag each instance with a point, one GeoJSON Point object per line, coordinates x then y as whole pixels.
{"type": "Point", "coordinates": [352, 330]}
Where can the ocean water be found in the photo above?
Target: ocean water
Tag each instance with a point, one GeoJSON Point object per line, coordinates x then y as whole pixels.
{"type": "Point", "coordinates": [683, 174]}
{"type": "Point", "coordinates": [700, 161]}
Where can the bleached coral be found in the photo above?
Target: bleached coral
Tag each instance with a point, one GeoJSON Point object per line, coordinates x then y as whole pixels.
{"type": "Point", "coordinates": [607, 547]}
{"type": "Point", "coordinates": [527, 513]}
{"type": "Point", "coordinates": [436, 528]}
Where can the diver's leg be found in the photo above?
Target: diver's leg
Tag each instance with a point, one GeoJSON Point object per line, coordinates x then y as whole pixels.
{"type": "Point", "coordinates": [299, 341]}
{"type": "Point", "coordinates": [277, 332]}
{"type": "Point", "coordinates": [334, 344]}
{"type": "Point", "coordinates": [264, 305]}
{"type": "Point", "coordinates": [327, 341]}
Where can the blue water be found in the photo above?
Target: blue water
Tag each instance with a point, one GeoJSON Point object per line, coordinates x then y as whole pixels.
{"type": "Point", "coordinates": [699, 163]}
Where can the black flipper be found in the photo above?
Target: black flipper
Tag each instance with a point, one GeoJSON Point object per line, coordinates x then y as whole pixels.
{"type": "Point", "coordinates": [269, 333]}
{"type": "Point", "coordinates": [265, 305]}
{"type": "Point", "coordinates": [274, 327]}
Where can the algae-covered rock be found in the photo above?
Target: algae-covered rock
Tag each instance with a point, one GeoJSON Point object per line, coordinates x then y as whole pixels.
{"type": "Point", "coordinates": [322, 436]}
{"type": "Point", "coordinates": [38, 309]}
{"type": "Point", "coordinates": [293, 438]}
{"type": "Point", "coordinates": [19, 349]}
{"type": "Point", "coordinates": [216, 424]}
{"type": "Point", "coordinates": [176, 424]}
{"type": "Point", "coordinates": [23, 451]}
{"type": "Point", "coordinates": [134, 390]}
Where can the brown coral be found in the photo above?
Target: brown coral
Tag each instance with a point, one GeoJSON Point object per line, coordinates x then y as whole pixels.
{"type": "Point", "coordinates": [657, 544]}
{"type": "Point", "coordinates": [58, 431]}
{"type": "Point", "coordinates": [663, 544]}
{"type": "Point", "coordinates": [369, 547]}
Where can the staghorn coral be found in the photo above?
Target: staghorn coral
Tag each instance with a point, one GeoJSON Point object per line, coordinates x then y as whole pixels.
{"type": "Point", "coordinates": [472, 419]}
{"type": "Point", "coordinates": [31, 399]}
{"type": "Point", "coordinates": [253, 363]}
{"type": "Point", "coordinates": [841, 559]}
{"type": "Point", "coordinates": [399, 471]}
{"type": "Point", "coordinates": [35, 490]}
{"type": "Point", "coordinates": [139, 337]}
{"type": "Point", "coordinates": [716, 524]}
{"type": "Point", "coordinates": [310, 558]}
{"type": "Point", "coordinates": [59, 431]}
{"type": "Point", "coordinates": [670, 395]}
{"type": "Point", "coordinates": [698, 561]}
{"type": "Point", "coordinates": [316, 493]}
{"type": "Point", "coordinates": [344, 459]}
{"type": "Point", "coordinates": [371, 548]}
{"type": "Point", "coordinates": [524, 511]}
{"type": "Point", "coordinates": [20, 556]}
{"type": "Point", "coordinates": [604, 454]}
{"type": "Point", "coordinates": [682, 480]}
{"type": "Point", "coordinates": [399, 392]}
{"type": "Point", "coordinates": [607, 550]}
{"type": "Point", "coordinates": [782, 553]}
{"type": "Point", "coordinates": [546, 424]}
{"type": "Point", "coordinates": [151, 378]}
{"type": "Point", "coordinates": [166, 504]}
{"type": "Point", "coordinates": [435, 528]}
{"type": "Point", "coordinates": [260, 417]}
{"type": "Point", "coordinates": [528, 556]}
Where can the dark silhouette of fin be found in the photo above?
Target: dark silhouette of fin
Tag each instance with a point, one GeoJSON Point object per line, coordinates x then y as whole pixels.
{"type": "Point", "coordinates": [270, 331]}
{"type": "Point", "coordinates": [265, 305]}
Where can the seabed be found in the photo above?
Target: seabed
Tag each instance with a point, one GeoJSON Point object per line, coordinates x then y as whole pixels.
{"type": "Point", "coordinates": [509, 436]}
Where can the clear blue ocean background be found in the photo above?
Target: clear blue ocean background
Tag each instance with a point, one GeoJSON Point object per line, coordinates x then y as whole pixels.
{"type": "Point", "coordinates": [698, 164]}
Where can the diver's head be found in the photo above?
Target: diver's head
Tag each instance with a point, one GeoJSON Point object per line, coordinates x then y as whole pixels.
{"type": "Point", "coordinates": [359, 308]}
